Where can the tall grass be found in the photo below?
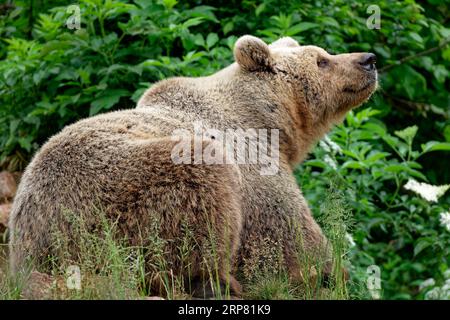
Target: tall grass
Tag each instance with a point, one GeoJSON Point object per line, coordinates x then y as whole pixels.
{"type": "Point", "coordinates": [272, 281]}
{"type": "Point", "coordinates": [111, 268]}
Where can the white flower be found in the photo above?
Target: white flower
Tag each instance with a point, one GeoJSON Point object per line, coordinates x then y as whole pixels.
{"type": "Point", "coordinates": [433, 294]}
{"type": "Point", "coordinates": [331, 148]}
{"type": "Point", "coordinates": [427, 283]}
{"type": "Point", "coordinates": [330, 145]}
{"type": "Point", "coordinates": [447, 274]}
{"type": "Point", "coordinates": [441, 293]}
{"type": "Point", "coordinates": [445, 290]}
{"type": "Point", "coordinates": [447, 284]}
{"type": "Point", "coordinates": [324, 146]}
{"type": "Point", "coordinates": [445, 221]}
{"type": "Point", "coordinates": [350, 240]}
{"type": "Point", "coordinates": [328, 160]}
{"type": "Point", "coordinates": [427, 191]}
{"type": "Point", "coordinates": [336, 148]}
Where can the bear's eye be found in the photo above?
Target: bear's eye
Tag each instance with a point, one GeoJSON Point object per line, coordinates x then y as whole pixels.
{"type": "Point", "coordinates": [322, 62]}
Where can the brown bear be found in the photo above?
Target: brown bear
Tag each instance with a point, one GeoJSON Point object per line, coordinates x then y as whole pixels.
{"type": "Point", "coordinates": [123, 161]}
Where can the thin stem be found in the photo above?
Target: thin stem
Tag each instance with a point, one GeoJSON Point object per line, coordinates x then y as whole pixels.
{"type": "Point", "coordinates": [115, 47]}
{"type": "Point", "coordinates": [397, 182]}
{"type": "Point", "coordinates": [411, 57]}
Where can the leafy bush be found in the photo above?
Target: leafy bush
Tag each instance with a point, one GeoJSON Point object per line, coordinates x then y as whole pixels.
{"type": "Point", "coordinates": [396, 229]}
{"type": "Point", "coordinates": [51, 76]}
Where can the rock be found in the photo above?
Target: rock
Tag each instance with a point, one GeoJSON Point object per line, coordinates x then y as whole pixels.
{"type": "Point", "coordinates": [5, 209]}
{"type": "Point", "coordinates": [8, 185]}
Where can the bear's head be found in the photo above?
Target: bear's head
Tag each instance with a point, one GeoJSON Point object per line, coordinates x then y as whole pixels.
{"type": "Point", "coordinates": [323, 85]}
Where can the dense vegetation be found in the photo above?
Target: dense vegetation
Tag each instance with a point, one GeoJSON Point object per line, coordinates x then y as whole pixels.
{"type": "Point", "coordinates": [51, 75]}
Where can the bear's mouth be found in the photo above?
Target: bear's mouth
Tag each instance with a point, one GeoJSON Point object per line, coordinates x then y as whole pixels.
{"type": "Point", "coordinates": [358, 90]}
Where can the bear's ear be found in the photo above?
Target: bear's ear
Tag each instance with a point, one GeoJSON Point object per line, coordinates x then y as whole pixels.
{"type": "Point", "coordinates": [284, 42]}
{"type": "Point", "coordinates": [252, 54]}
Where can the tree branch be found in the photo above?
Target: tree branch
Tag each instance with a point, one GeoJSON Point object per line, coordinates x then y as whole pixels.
{"type": "Point", "coordinates": [408, 106]}
{"type": "Point", "coordinates": [411, 57]}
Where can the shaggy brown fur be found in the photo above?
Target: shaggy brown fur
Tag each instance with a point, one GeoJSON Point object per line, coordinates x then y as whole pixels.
{"type": "Point", "coordinates": [121, 162]}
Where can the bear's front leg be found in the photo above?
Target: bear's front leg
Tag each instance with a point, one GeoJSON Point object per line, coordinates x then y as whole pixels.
{"type": "Point", "coordinates": [279, 230]}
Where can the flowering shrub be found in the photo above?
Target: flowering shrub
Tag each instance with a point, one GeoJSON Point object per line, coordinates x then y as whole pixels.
{"type": "Point", "coordinates": [433, 291]}
{"type": "Point", "coordinates": [401, 225]}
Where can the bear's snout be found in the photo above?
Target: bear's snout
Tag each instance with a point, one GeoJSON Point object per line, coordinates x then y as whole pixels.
{"type": "Point", "coordinates": [367, 61]}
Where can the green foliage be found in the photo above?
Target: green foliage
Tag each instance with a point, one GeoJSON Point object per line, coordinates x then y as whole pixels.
{"type": "Point", "coordinates": [396, 229]}
{"type": "Point", "coordinates": [51, 76]}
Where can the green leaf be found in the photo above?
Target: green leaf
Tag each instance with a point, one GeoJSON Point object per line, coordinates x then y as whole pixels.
{"type": "Point", "coordinates": [260, 9]}
{"type": "Point", "coordinates": [330, 21]}
{"type": "Point", "coordinates": [416, 174]}
{"type": "Point", "coordinates": [374, 127]}
{"type": "Point", "coordinates": [25, 142]}
{"type": "Point", "coordinates": [435, 146]}
{"type": "Point", "coordinates": [107, 100]}
{"type": "Point", "coordinates": [395, 168]}
{"type": "Point", "coordinates": [421, 244]}
{"type": "Point", "coordinates": [447, 132]}
{"type": "Point", "coordinates": [416, 37]}
{"type": "Point", "coordinates": [169, 4]}
{"type": "Point", "coordinates": [440, 72]}
{"type": "Point", "coordinates": [192, 22]}
{"type": "Point", "coordinates": [301, 27]}
{"type": "Point", "coordinates": [403, 167]}
{"type": "Point", "coordinates": [315, 163]}
{"type": "Point", "coordinates": [199, 40]}
{"type": "Point", "coordinates": [382, 51]}
{"type": "Point", "coordinates": [377, 156]}
{"type": "Point", "coordinates": [228, 27]}
{"type": "Point", "coordinates": [350, 153]}
{"type": "Point", "coordinates": [353, 165]}
{"type": "Point", "coordinates": [205, 12]}
{"type": "Point", "coordinates": [414, 84]}
{"type": "Point", "coordinates": [211, 40]}
{"type": "Point", "coordinates": [407, 134]}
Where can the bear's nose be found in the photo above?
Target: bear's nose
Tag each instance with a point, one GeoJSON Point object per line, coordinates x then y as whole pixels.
{"type": "Point", "coordinates": [367, 61]}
